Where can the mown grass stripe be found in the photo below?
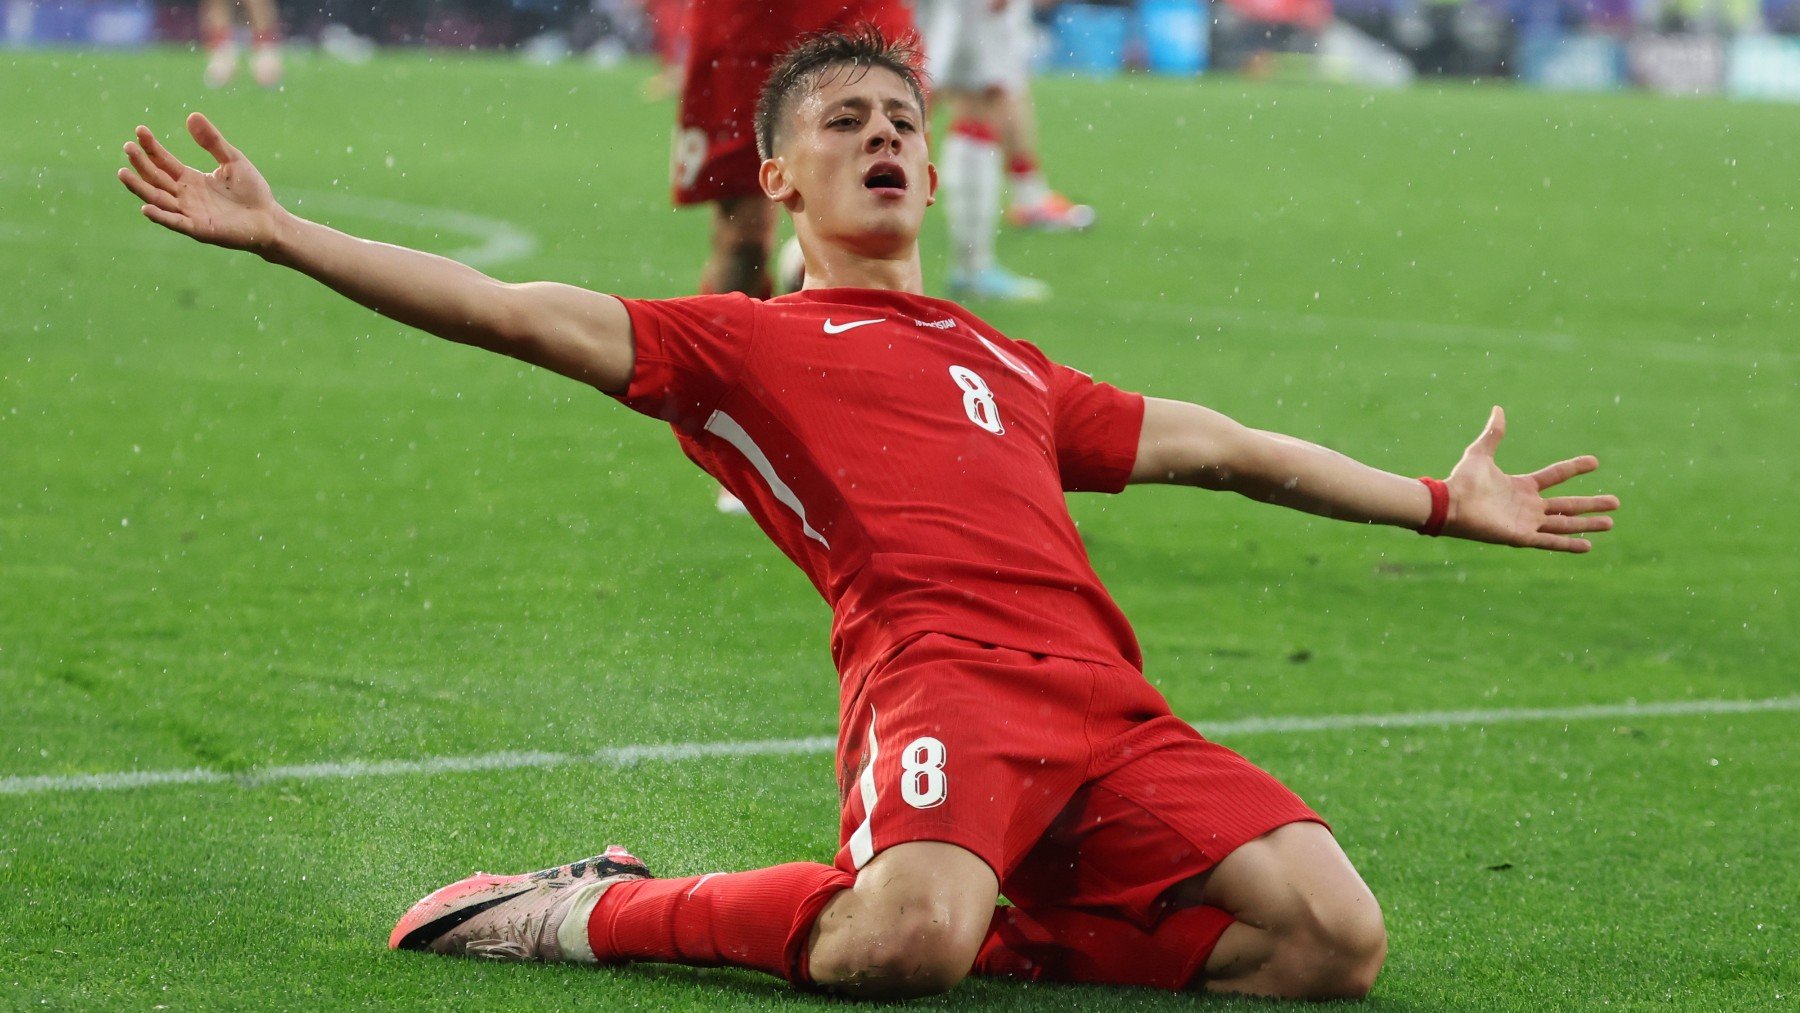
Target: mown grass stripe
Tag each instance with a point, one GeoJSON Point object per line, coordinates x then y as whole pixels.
{"type": "Point", "coordinates": [621, 756]}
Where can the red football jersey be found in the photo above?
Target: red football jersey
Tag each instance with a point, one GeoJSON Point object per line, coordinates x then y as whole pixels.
{"type": "Point", "coordinates": [910, 458]}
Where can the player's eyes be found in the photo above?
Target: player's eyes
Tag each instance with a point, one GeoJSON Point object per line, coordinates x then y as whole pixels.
{"type": "Point", "coordinates": [844, 121]}
{"type": "Point", "coordinates": [903, 125]}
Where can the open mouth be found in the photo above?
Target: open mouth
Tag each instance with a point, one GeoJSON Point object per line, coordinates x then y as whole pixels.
{"type": "Point", "coordinates": [885, 177]}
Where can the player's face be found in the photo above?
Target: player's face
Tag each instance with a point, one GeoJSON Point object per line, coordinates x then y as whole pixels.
{"type": "Point", "coordinates": [852, 167]}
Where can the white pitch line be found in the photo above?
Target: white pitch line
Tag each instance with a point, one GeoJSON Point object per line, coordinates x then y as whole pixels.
{"type": "Point", "coordinates": [501, 241]}
{"type": "Point", "coordinates": [1450, 719]}
{"type": "Point", "coordinates": [617, 756]}
{"type": "Point", "coordinates": [623, 756]}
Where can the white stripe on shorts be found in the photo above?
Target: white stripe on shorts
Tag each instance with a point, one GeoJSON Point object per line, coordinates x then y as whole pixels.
{"type": "Point", "coordinates": [862, 843]}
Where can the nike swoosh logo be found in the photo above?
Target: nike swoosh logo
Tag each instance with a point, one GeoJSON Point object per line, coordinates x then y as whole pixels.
{"type": "Point", "coordinates": [422, 937]}
{"type": "Point", "coordinates": [831, 328]}
{"type": "Point", "coordinates": [701, 883]}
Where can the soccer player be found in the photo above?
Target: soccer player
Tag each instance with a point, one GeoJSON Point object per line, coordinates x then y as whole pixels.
{"type": "Point", "coordinates": [978, 53]}
{"type": "Point", "coordinates": [1031, 202]}
{"type": "Point", "coordinates": [217, 26]}
{"type": "Point", "coordinates": [997, 732]}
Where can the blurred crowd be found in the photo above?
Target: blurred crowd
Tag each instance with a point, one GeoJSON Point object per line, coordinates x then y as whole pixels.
{"type": "Point", "coordinates": [1670, 45]}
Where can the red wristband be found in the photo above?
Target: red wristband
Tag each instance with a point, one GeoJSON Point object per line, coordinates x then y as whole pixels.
{"type": "Point", "coordinates": [1440, 507]}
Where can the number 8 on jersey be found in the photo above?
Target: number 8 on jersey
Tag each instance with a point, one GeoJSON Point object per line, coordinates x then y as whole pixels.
{"type": "Point", "coordinates": [978, 400]}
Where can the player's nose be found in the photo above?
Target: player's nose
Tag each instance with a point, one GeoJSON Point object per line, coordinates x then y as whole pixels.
{"type": "Point", "coordinates": [882, 135]}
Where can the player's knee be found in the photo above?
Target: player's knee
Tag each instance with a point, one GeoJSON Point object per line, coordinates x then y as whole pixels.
{"type": "Point", "coordinates": [921, 951]}
{"type": "Point", "coordinates": [1358, 950]}
{"type": "Point", "coordinates": [929, 959]}
{"type": "Point", "coordinates": [1337, 952]}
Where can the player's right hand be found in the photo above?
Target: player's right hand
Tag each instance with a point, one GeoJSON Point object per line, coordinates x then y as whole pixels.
{"type": "Point", "coordinates": [230, 206]}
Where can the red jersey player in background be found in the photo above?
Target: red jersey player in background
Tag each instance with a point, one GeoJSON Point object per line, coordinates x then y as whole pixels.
{"type": "Point", "coordinates": [997, 731]}
{"type": "Point", "coordinates": [732, 44]}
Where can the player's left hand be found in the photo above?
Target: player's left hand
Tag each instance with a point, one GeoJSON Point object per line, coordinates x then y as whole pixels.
{"type": "Point", "coordinates": [1488, 505]}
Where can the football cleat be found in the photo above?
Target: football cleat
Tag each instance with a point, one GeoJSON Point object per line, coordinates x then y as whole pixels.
{"type": "Point", "coordinates": [535, 916]}
{"type": "Point", "coordinates": [1055, 213]}
{"type": "Point", "coordinates": [997, 283]}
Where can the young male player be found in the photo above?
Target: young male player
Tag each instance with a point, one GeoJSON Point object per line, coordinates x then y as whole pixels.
{"type": "Point", "coordinates": [997, 732]}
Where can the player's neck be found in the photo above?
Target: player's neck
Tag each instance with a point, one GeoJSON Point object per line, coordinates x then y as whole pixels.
{"type": "Point", "coordinates": [844, 269]}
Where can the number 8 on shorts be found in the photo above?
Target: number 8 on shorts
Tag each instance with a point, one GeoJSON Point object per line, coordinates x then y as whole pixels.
{"type": "Point", "coordinates": [922, 781]}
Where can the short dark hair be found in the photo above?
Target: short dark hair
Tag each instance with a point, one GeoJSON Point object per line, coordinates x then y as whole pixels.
{"type": "Point", "coordinates": [800, 68]}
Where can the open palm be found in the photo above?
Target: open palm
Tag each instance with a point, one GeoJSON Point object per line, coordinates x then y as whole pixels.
{"type": "Point", "coordinates": [230, 206]}
{"type": "Point", "coordinates": [1488, 505]}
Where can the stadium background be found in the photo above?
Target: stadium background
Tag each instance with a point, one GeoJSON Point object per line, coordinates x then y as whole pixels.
{"type": "Point", "coordinates": [301, 613]}
{"type": "Point", "coordinates": [1744, 48]}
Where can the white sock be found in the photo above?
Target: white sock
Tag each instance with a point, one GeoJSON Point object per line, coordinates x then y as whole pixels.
{"type": "Point", "coordinates": [972, 171]}
{"type": "Point", "coordinates": [572, 934]}
{"type": "Point", "coordinates": [1028, 188]}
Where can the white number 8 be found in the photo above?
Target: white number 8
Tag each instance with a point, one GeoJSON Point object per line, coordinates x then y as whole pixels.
{"type": "Point", "coordinates": [978, 400]}
{"type": "Point", "coordinates": [922, 781]}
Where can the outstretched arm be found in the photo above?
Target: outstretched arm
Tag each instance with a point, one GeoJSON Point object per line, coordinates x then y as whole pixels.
{"type": "Point", "coordinates": [582, 335]}
{"type": "Point", "coordinates": [1185, 444]}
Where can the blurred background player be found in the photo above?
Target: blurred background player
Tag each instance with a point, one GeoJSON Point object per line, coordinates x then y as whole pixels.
{"type": "Point", "coordinates": [667, 24]}
{"type": "Point", "coordinates": [1032, 204]}
{"type": "Point", "coordinates": [978, 58]}
{"type": "Point", "coordinates": [731, 46]}
{"type": "Point", "coordinates": [218, 26]}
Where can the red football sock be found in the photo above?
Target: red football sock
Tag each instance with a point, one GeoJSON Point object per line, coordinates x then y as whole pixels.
{"type": "Point", "coordinates": [1068, 944]}
{"type": "Point", "coordinates": [1021, 165]}
{"type": "Point", "coordinates": [976, 130]}
{"type": "Point", "coordinates": [760, 920]}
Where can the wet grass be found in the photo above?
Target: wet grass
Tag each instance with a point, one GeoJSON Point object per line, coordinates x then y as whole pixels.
{"type": "Point", "coordinates": [243, 524]}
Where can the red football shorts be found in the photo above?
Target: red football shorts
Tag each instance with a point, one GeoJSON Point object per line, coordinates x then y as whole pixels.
{"type": "Point", "coordinates": [715, 132]}
{"type": "Point", "coordinates": [1070, 778]}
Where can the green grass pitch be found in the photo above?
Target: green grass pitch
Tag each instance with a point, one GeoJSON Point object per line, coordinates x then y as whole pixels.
{"type": "Point", "coordinates": [245, 524]}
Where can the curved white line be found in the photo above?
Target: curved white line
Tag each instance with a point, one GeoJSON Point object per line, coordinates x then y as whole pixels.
{"type": "Point", "coordinates": [501, 241]}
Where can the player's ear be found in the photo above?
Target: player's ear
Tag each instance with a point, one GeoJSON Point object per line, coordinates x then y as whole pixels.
{"type": "Point", "coordinates": [773, 177]}
{"type": "Point", "coordinates": [931, 177]}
